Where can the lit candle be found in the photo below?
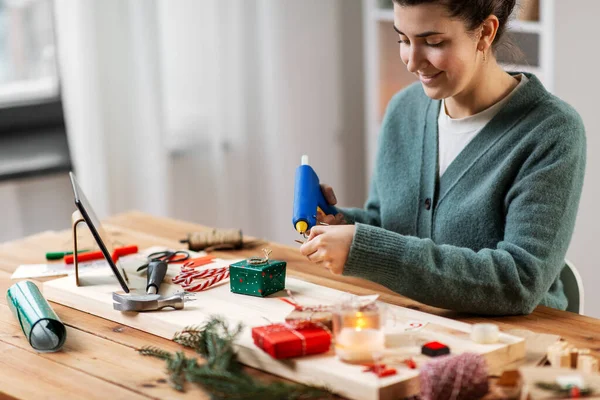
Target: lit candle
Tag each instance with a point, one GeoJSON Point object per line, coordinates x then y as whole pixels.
{"type": "Point", "coordinates": [358, 335]}
{"type": "Point", "coordinates": [358, 345]}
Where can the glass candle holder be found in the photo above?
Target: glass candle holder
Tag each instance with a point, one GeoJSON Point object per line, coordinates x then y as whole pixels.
{"type": "Point", "coordinates": [358, 332]}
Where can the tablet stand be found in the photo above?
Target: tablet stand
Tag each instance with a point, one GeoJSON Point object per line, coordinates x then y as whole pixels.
{"type": "Point", "coordinates": [76, 219]}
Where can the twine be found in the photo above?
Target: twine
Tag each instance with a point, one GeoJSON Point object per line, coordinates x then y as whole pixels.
{"type": "Point", "coordinates": [298, 307]}
{"type": "Point", "coordinates": [462, 377]}
{"type": "Point", "coordinates": [216, 239]}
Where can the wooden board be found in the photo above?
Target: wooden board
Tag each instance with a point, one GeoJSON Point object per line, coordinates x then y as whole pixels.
{"type": "Point", "coordinates": [325, 369]}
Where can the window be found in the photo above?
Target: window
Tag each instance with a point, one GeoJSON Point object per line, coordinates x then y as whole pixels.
{"type": "Point", "coordinates": [32, 130]}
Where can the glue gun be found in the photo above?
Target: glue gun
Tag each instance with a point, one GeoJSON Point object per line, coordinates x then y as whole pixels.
{"type": "Point", "coordinates": [308, 198]}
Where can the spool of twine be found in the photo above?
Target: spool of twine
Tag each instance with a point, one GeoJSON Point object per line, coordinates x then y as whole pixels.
{"type": "Point", "coordinates": [461, 377]}
{"type": "Point", "coordinates": [216, 239]}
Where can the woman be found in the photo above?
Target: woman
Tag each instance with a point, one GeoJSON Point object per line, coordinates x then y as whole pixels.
{"type": "Point", "coordinates": [478, 174]}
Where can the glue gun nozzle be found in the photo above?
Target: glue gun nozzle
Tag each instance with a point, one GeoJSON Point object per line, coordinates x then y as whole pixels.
{"type": "Point", "coordinates": [301, 226]}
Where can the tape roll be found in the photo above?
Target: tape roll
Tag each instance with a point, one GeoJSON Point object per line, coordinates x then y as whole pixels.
{"type": "Point", "coordinates": [40, 324]}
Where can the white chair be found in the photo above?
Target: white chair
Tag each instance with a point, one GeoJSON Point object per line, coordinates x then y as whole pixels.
{"type": "Point", "coordinates": [573, 287]}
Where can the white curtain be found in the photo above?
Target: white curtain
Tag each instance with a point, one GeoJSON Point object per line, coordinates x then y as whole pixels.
{"type": "Point", "coordinates": [111, 87]}
{"type": "Point", "coordinates": [201, 109]}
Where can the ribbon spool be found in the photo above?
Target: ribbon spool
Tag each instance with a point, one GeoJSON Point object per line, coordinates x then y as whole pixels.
{"type": "Point", "coordinates": [216, 239]}
{"type": "Point", "coordinates": [462, 377]}
{"type": "Point", "coordinates": [41, 326]}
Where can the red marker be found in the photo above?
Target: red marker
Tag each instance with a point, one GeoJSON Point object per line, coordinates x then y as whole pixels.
{"type": "Point", "coordinates": [98, 255]}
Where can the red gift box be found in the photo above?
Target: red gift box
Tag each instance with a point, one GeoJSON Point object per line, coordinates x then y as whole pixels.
{"type": "Point", "coordinates": [288, 340]}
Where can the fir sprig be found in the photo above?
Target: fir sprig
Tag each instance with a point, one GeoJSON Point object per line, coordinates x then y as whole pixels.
{"type": "Point", "coordinates": [565, 392]}
{"type": "Point", "coordinates": [222, 374]}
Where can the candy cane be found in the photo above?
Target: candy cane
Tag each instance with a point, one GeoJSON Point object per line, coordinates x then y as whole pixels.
{"type": "Point", "coordinates": [206, 284]}
{"type": "Point", "coordinates": [187, 277]}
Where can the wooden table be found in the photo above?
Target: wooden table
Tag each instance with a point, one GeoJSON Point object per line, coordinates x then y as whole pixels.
{"type": "Point", "coordinates": [99, 361]}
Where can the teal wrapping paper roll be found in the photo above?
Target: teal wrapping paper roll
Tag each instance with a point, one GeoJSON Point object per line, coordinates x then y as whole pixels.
{"type": "Point", "coordinates": [41, 326]}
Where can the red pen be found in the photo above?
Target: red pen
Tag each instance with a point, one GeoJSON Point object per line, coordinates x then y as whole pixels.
{"type": "Point", "coordinates": [97, 255]}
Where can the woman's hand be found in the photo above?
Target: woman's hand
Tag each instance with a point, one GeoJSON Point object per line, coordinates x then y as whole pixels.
{"type": "Point", "coordinates": [329, 219]}
{"type": "Point", "coordinates": [329, 245]}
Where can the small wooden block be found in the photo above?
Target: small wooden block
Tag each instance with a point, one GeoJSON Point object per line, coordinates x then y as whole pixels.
{"type": "Point", "coordinates": [587, 363]}
{"type": "Point", "coordinates": [435, 349]}
{"type": "Point", "coordinates": [509, 378]}
{"type": "Point", "coordinates": [560, 355]}
{"type": "Point", "coordinates": [574, 355]}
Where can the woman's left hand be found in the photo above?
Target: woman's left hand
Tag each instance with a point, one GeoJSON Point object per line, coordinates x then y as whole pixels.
{"type": "Point", "coordinates": [330, 246]}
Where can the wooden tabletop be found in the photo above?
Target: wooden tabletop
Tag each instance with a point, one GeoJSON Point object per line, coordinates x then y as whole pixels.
{"type": "Point", "coordinates": [99, 359]}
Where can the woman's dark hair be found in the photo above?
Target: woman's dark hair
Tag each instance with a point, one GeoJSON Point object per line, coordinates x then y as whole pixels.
{"type": "Point", "coordinates": [473, 12]}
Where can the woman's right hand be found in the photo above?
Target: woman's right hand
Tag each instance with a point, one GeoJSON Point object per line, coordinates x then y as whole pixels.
{"type": "Point", "coordinates": [329, 219]}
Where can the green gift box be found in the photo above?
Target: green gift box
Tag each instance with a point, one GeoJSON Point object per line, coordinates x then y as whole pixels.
{"type": "Point", "coordinates": [257, 276]}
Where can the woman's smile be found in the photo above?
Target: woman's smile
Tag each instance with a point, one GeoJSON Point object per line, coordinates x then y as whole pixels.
{"type": "Point", "coordinates": [429, 79]}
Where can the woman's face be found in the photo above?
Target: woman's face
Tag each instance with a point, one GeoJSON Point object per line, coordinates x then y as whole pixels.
{"type": "Point", "coordinates": [436, 48]}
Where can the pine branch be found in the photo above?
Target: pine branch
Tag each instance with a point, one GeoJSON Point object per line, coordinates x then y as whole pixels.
{"type": "Point", "coordinates": [155, 352]}
{"type": "Point", "coordinates": [222, 375]}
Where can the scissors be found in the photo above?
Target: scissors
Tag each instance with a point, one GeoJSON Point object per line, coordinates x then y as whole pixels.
{"type": "Point", "coordinates": [166, 256]}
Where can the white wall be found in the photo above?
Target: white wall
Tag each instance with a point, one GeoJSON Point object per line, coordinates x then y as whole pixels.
{"type": "Point", "coordinates": [576, 81]}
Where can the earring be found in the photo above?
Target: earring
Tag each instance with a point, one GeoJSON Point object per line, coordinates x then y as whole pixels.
{"type": "Point", "coordinates": [483, 56]}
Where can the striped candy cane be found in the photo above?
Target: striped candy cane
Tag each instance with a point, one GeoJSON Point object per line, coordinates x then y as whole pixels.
{"type": "Point", "coordinates": [206, 284]}
{"type": "Point", "coordinates": [188, 275]}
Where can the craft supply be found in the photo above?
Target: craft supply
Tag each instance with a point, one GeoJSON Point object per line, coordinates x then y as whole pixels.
{"type": "Point", "coordinates": [381, 370]}
{"type": "Point", "coordinates": [570, 380]}
{"type": "Point", "coordinates": [574, 357]}
{"type": "Point", "coordinates": [97, 255]}
{"type": "Point", "coordinates": [53, 269]}
{"type": "Point", "coordinates": [358, 330]}
{"type": "Point", "coordinates": [320, 314]}
{"type": "Point", "coordinates": [435, 349]}
{"type": "Point", "coordinates": [402, 335]}
{"type": "Point", "coordinates": [560, 354]}
{"type": "Point", "coordinates": [40, 324]}
{"type": "Point", "coordinates": [58, 255]}
{"type": "Point", "coordinates": [257, 276]}
{"type": "Point", "coordinates": [157, 270]}
{"type": "Point", "coordinates": [308, 197]}
{"type": "Point", "coordinates": [410, 363]}
{"type": "Point", "coordinates": [508, 385]}
{"type": "Point", "coordinates": [321, 317]}
{"type": "Point", "coordinates": [169, 257]}
{"type": "Point", "coordinates": [292, 340]}
{"type": "Point", "coordinates": [485, 333]}
{"type": "Point", "coordinates": [208, 283]}
{"type": "Point", "coordinates": [188, 277]}
{"type": "Point", "coordinates": [461, 377]}
{"type": "Point", "coordinates": [199, 262]}
{"type": "Point", "coordinates": [587, 363]}
{"type": "Point", "coordinates": [562, 390]}
{"type": "Point", "coordinates": [149, 302]}
{"type": "Point", "coordinates": [215, 239]}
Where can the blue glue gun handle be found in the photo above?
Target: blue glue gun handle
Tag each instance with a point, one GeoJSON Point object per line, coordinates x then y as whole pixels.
{"type": "Point", "coordinates": [324, 205]}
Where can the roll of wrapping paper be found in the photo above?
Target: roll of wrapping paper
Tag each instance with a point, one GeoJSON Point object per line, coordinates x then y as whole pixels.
{"type": "Point", "coordinates": [41, 326]}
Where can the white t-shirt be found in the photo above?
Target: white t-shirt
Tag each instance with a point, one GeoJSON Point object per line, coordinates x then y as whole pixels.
{"type": "Point", "coordinates": [455, 134]}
